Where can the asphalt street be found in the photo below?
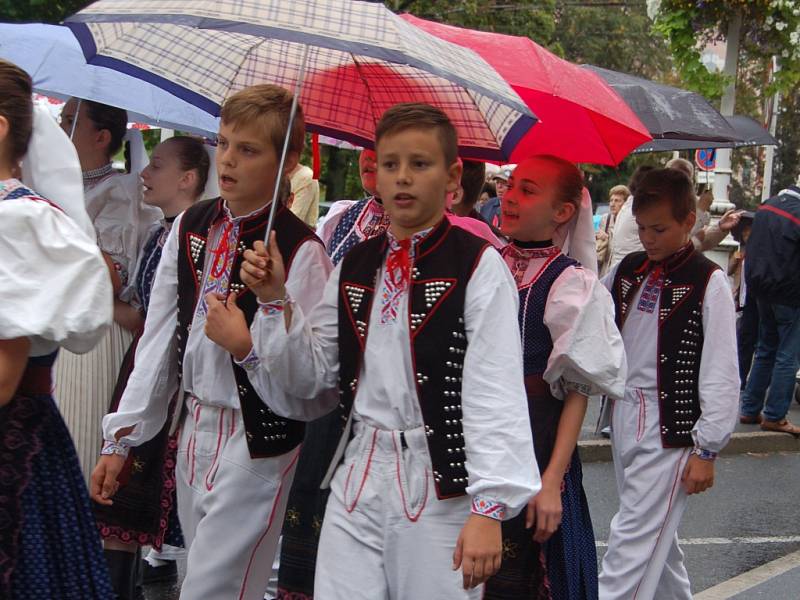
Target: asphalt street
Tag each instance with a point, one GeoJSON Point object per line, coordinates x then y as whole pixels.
{"type": "Point", "coordinates": [748, 519]}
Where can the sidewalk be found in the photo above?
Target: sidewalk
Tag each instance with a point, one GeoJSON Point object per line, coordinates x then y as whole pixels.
{"type": "Point", "coordinates": [746, 438]}
{"type": "Point", "coordinates": [777, 579]}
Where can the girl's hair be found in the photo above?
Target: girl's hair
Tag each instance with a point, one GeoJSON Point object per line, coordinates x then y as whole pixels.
{"type": "Point", "coordinates": [112, 118]}
{"type": "Point", "coordinates": [569, 185]}
{"type": "Point", "coordinates": [192, 156]}
{"type": "Point", "coordinates": [17, 107]}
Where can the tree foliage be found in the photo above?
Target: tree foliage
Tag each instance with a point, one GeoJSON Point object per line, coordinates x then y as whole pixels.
{"type": "Point", "coordinates": [769, 28]}
{"type": "Point", "coordinates": [41, 11]}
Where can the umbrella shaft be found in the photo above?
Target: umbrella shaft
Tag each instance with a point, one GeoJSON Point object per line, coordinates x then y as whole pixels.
{"type": "Point", "coordinates": [292, 114]}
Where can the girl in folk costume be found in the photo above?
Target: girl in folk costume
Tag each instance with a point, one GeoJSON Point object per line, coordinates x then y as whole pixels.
{"type": "Point", "coordinates": [143, 511]}
{"type": "Point", "coordinates": [56, 293]}
{"type": "Point", "coordinates": [571, 350]}
{"type": "Point", "coordinates": [84, 384]}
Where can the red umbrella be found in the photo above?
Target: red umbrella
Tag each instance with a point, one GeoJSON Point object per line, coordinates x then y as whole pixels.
{"type": "Point", "coordinates": [581, 118]}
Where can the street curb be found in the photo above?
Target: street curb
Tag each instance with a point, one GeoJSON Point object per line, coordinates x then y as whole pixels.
{"type": "Point", "coordinates": [741, 443]}
{"type": "Point", "coordinates": [750, 579]}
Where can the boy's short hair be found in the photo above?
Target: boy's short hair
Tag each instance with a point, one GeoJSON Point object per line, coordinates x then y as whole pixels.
{"type": "Point", "coordinates": [619, 190]}
{"type": "Point", "coordinates": [413, 115]}
{"type": "Point", "coordinates": [472, 179]}
{"type": "Point", "coordinates": [637, 177]}
{"type": "Point", "coordinates": [666, 185]}
{"type": "Point", "coordinates": [268, 107]}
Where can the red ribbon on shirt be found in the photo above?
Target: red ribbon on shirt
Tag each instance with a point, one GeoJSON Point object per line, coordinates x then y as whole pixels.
{"type": "Point", "coordinates": [398, 264]}
{"type": "Point", "coordinates": [221, 252]}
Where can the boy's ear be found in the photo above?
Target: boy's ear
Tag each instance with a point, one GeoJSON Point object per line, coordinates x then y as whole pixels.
{"type": "Point", "coordinates": [690, 220]}
{"type": "Point", "coordinates": [3, 129]}
{"type": "Point", "coordinates": [454, 176]}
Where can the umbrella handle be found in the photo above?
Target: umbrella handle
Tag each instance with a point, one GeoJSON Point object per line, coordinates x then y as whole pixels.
{"type": "Point", "coordinates": [292, 113]}
{"type": "Point", "coordinates": [75, 118]}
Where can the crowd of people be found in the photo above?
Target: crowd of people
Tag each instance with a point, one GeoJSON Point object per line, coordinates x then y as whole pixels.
{"type": "Point", "coordinates": [386, 407]}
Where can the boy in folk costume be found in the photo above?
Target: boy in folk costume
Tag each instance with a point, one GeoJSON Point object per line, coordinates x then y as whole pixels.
{"type": "Point", "coordinates": [571, 350]}
{"type": "Point", "coordinates": [418, 327]}
{"type": "Point", "coordinates": [236, 457]}
{"type": "Point", "coordinates": [676, 314]}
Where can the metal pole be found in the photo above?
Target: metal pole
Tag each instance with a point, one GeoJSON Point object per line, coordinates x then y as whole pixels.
{"type": "Point", "coordinates": [766, 184]}
{"type": "Point", "coordinates": [75, 118]}
{"type": "Point", "coordinates": [722, 172]}
{"type": "Point", "coordinates": [295, 100]}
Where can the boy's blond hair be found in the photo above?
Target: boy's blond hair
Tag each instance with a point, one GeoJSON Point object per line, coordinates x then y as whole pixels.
{"type": "Point", "coordinates": [268, 107]}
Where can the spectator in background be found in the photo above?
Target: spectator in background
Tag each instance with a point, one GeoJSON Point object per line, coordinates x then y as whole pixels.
{"type": "Point", "coordinates": [617, 196]}
{"type": "Point", "coordinates": [490, 212]}
{"type": "Point", "coordinates": [489, 191]}
{"type": "Point", "coordinates": [747, 323]}
{"type": "Point", "coordinates": [772, 276]}
{"type": "Point", "coordinates": [472, 183]}
{"type": "Point", "coordinates": [625, 236]}
{"type": "Point", "coordinates": [306, 195]}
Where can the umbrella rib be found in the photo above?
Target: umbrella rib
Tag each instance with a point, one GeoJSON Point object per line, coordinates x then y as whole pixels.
{"type": "Point", "coordinates": [369, 92]}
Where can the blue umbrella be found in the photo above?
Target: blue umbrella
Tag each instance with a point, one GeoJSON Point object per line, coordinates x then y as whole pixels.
{"type": "Point", "coordinates": [53, 58]}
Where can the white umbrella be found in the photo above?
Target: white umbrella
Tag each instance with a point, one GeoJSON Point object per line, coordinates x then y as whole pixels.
{"type": "Point", "coordinates": [53, 58]}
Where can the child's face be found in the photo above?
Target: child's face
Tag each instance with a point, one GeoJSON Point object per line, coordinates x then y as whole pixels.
{"type": "Point", "coordinates": [529, 206]}
{"type": "Point", "coordinates": [660, 233]}
{"type": "Point", "coordinates": [247, 164]}
{"type": "Point", "coordinates": [367, 168]}
{"type": "Point", "coordinates": [163, 179]}
{"type": "Point", "coordinates": [413, 179]}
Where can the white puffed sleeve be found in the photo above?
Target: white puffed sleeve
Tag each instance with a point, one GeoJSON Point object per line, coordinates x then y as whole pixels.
{"type": "Point", "coordinates": [56, 288]}
{"type": "Point", "coordinates": [588, 355]}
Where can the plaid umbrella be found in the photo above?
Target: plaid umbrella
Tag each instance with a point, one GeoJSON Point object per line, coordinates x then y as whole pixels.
{"type": "Point", "coordinates": [361, 59]}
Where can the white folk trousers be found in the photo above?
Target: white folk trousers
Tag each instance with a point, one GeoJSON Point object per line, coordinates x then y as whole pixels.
{"type": "Point", "coordinates": [386, 536]}
{"type": "Point", "coordinates": [643, 560]}
{"type": "Point", "coordinates": [230, 506]}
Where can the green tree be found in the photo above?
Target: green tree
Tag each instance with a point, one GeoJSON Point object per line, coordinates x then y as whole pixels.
{"type": "Point", "coordinates": [41, 11]}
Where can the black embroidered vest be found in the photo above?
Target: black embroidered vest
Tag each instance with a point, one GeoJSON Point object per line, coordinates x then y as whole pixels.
{"type": "Point", "coordinates": [680, 333]}
{"type": "Point", "coordinates": [267, 433]}
{"type": "Point", "coordinates": [444, 262]}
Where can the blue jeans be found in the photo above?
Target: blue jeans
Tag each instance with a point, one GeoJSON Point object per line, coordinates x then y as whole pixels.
{"type": "Point", "coordinates": [775, 363]}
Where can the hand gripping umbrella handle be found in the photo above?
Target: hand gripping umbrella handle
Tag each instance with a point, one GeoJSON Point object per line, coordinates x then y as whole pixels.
{"type": "Point", "coordinates": [292, 113]}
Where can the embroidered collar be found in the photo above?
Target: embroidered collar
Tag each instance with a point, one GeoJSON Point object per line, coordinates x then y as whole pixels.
{"type": "Point", "coordinates": [9, 185]}
{"type": "Point", "coordinates": [94, 176]}
{"type": "Point", "coordinates": [373, 219]}
{"type": "Point", "coordinates": [670, 263]}
{"type": "Point", "coordinates": [530, 250]}
{"type": "Point", "coordinates": [255, 213]}
{"type": "Point", "coordinates": [395, 244]}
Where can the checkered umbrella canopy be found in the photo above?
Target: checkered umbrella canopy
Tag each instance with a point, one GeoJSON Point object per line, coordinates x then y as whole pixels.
{"type": "Point", "coordinates": [362, 59]}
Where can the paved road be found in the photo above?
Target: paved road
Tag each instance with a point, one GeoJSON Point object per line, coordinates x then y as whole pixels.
{"type": "Point", "coordinates": [749, 518]}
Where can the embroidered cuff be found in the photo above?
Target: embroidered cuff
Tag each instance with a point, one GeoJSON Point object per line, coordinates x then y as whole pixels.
{"type": "Point", "coordinates": [275, 306]}
{"type": "Point", "coordinates": [581, 388]}
{"type": "Point", "coordinates": [249, 362]}
{"type": "Point", "coordinates": [705, 454]}
{"type": "Point", "coordinates": [112, 447]}
{"type": "Point", "coordinates": [488, 508]}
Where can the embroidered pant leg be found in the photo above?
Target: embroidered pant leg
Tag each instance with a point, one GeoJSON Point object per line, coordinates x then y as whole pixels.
{"type": "Point", "coordinates": [235, 505]}
{"type": "Point", "coordinates": [652, 502]}
{"type": "Point", "coordinates": [385, 535]}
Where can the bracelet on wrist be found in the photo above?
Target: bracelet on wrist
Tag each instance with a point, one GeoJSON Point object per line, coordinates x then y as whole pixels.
{"type": "Point", "coordinates": [704, 454]}
{"type": "Point", "coordinates": [111, 447]}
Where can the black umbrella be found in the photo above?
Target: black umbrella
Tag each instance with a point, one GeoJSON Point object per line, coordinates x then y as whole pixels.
{"type": "Point", "coordinates": [669, 112]}
{"type": "Point", "coordinates": [750, 132]}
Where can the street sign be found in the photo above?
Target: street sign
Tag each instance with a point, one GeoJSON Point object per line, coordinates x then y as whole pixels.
{"type": "Point", "coordinates": [705, 160]}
